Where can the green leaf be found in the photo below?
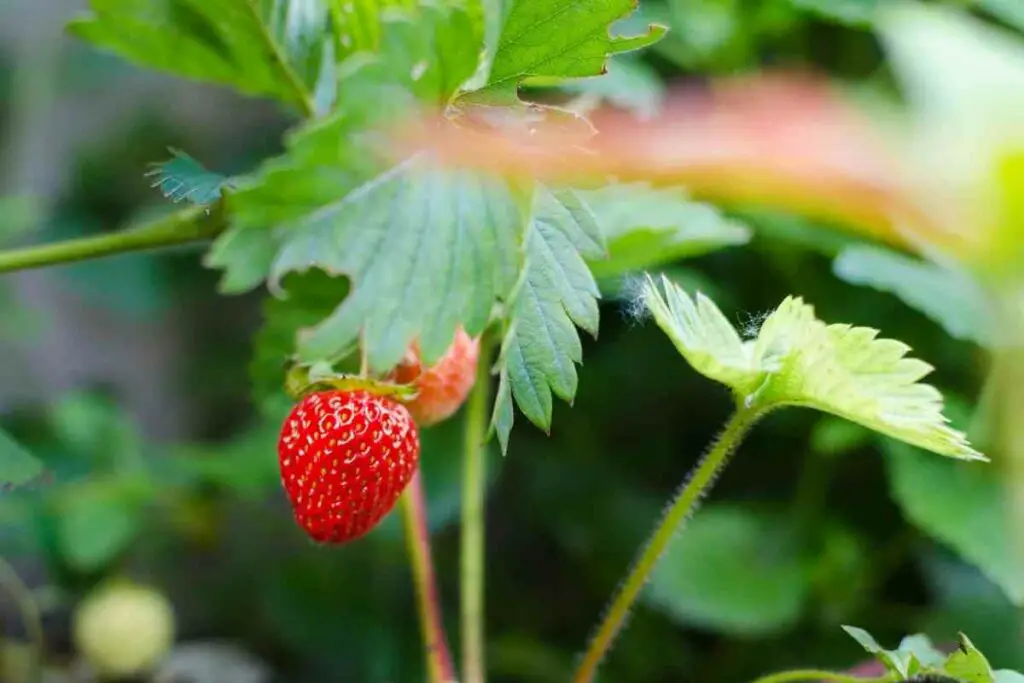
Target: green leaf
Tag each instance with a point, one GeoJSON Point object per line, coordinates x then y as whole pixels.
{"type": "Point", "coordinates": [647, 227]}
{"type": "Point", "coordinates": [17, 465]}
{"type": "Point", "coordinates": [851, 12]}
{"type": "Point", "coordinates": [306, 299]}
{"type": "Point", "coordinates": [833, 436]}
{"type": "Point", "coordinates": [426, 249]}
{"type": "Point", "coordinates": [965, 508]}
{"type": "Point", "coordinates": [950, 298]}
{"type": "Point", "coordinates": [96, 522]}
{"type": "Point", "coordinates": [557, 39]}
{"type": "Point", "coordinates": [968, 664]}
{"type": "Point", "coordinates": [629, 83]}
{"type": "Point", "coordinates": [275, 48]}
{"type": "Point", "coordinates": [245, 254]}
{"type": "Point", "coordinates": [329, 159]}
{"type": "Point", "coordinates": [555, 294]}
{"type": "Point", "coordinates": [1007, 676]}
{"type": "Point", "coordinates": [734, 570]}
{"type": "Point", "coordinates": [1009, 11]}
{"type": "Point", "coordinates": [798, 360]}
{"type": "Point", "coordinates": [923, 649]}
{"type": "Point", "coordinates": [903, 662]}
{"type": "Point", "coordinates": [358, 23]}
{"type": "Point", "coordinates": [183, 178]}
{"type": "Point", "coordinates": [98, 430]}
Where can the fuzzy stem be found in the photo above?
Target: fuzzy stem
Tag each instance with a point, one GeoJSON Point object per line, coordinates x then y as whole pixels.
{"type": "Point", "coordinates": [682, 507]}
{"type": "Point", "coordinates": [473, 492]}
{"type": "Point", "coordinates": [181, 227]}
{"type": "Point", "coordinates": [26, 604]}
{"type": "Point", "coordinates": [417, 535]}
{"type": "Point", "coordinates": [819, 676]}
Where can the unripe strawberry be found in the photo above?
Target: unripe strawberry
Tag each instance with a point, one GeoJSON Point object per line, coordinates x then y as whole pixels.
{"type": "Point", "coordinates": [345, 458]}
{"type": "Point", "coordinates": [444, 386]}
{"type": "Point", "coordinates": [123, 629]}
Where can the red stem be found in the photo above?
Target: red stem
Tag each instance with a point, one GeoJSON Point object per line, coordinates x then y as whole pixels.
{"type": "Point", "coordinates": [435, 641]}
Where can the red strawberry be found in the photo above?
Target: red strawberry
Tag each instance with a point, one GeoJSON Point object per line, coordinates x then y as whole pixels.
{"type": "Point", "coordinates": [443, 387]}
{"type": "Point", "coordinates": [345, 458]}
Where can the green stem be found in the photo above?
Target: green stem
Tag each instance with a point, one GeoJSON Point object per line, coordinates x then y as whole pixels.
{"type": "Point", "coordinates": [417, 535]}
{"type": "Point", "coordinates": [22, 596]}
{"type": "Point", "coordinates": [473, 490]}
{"type": "Point", "coordinates": [681, 508]}
{"type": "Point", "coordinates": [818, 675]}
{"type": "Point", "coordinates": [181, 227]}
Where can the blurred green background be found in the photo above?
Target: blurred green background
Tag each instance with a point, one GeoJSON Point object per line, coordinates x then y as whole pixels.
{"type": "Point", "coordinates": [129, 377]}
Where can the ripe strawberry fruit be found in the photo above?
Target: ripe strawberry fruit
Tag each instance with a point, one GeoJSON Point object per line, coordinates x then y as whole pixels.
{"type": "Point", "coordinates": [345, 458]}
{"type": "Point", "coordinates": [443, 387]}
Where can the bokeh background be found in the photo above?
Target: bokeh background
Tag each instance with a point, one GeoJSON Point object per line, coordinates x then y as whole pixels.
{"type": "Point", "coordinates": [129, 377]}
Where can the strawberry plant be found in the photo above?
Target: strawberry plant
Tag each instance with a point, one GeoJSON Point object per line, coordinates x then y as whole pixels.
{"type": "Point", "coordinates": [451, 204]}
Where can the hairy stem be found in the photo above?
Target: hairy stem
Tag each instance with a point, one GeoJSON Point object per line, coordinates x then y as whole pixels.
{"type": "Point", "coordinates": [818, 676]}
{"type": "Point", "coordinates": [473, 491]}
{"type": "Point", "coordinates": [681, 508]}
{"type": "Point", "coordinates": [417, 535]}
{"type": "Point", "coordinates": [26, 604]}
{"type": "Point", "coordinates": [181, 227]}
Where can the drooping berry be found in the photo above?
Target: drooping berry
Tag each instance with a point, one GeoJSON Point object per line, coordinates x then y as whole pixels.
{"type": "Point", "coordinates": [345, 458]}
{"type": "Point", "coordinates": [444, 386]}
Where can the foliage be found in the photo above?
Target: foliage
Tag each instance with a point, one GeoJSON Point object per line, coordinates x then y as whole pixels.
{"type": "Point", "coordinates": [327, 246]}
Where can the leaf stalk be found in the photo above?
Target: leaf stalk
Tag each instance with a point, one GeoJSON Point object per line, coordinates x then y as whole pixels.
{"type": "Point", "coordinates": [472, 541]}
{"type": "Point", "coordinates": [181, 227]}
{"type": "Point", "coordinates": [681, 508]}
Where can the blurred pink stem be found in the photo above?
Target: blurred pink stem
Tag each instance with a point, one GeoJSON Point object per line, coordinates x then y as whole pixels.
{"type": "Point", "coordinates": [819, 676]}
{"type": "Point", "coordinates": [435, 641]}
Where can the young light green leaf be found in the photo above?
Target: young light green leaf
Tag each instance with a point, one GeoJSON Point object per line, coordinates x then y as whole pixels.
{"type": "Point", "coordinates": [902, 663]}
{"type": "Point", "coordinates": [734, 570]}
{"type": "Point", "coordinates": [923, 649]}
{"type": "Point", "coordinates": [963, 508]}
{"type": "Point", "coordinates": [950, 298]}
{"type": "Point", "coordinates": [182, 178]}
{"type": "Point", "coordinates": [704, 337]}
{"type": "Point", "coordinates": [968, 664]}
{"type": "Point", "coordinates": [556, 39]}
{"type": "Point", "coordinates": [17, 465]}
{"type": "Point", "coordinates": [798, 360]}
{"type": "Point", "coordinates": [273, 48]}
{"type": "Point", "coordinates": [647, 227]}
{"type": "Point", "coordinates": [556, 293]}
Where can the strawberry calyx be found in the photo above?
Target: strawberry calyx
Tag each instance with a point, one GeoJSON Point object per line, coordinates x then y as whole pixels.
{"type": "Point", "coordinates": [303, 379]}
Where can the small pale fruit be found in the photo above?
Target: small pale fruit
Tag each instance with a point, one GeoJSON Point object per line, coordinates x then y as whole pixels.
{"type": "Point", "coordinates": [123, 629]}
{"type": "Point", "coordinates": [444, 386]}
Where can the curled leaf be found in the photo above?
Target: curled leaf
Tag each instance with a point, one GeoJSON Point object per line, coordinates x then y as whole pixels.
{"type": "Point", "coordinates": [796, 359]}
